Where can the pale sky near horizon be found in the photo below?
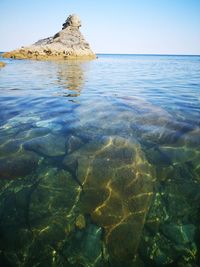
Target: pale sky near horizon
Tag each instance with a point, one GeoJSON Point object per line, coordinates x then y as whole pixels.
{"type": "Point", "coordinates": [129, 26]}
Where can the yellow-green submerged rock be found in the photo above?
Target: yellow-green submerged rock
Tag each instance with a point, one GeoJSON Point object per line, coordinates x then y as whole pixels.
{"type": "Point", "coordinates": [118, 184]}
{"type": "Point", "coordinates": [80, 222]}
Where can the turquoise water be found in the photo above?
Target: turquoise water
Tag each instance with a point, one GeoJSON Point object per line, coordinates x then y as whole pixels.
{"type": "Point", "coordinates": [100, 162]}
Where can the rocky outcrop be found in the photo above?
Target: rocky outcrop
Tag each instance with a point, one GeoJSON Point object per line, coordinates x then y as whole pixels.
{"type": "Point", "coordinates": [68, 43]}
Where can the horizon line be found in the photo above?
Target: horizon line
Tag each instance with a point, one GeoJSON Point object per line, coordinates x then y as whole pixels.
{"type": "Point", "coordinates": [147, 54]}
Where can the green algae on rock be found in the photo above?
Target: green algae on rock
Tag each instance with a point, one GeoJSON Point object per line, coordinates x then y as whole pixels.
{"type": "Point", "coordinates": [68, 43]}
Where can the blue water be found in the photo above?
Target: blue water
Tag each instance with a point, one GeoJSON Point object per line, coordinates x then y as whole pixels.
{"type": "Point", "coordinates": [100, 162]}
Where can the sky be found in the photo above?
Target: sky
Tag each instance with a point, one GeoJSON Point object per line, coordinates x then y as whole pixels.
{"type": "Point", "coordinates": [110, 26]}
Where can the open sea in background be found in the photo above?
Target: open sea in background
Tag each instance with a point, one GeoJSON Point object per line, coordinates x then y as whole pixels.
{"type": "Point", "coordinates": [100, 162]}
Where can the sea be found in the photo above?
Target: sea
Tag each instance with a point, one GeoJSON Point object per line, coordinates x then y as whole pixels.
{"type": "Point", "coordinates": [100, 162]}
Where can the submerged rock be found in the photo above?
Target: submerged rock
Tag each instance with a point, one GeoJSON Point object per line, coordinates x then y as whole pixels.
{"type": "Point", "coordinates": [73, 143]}
{"type": "Point", "coordinates": [180, 234]}
{"type": "Point", "coordinates": [48, 145]}
{"type": "Point", "coordinates": [68, 43]}
{"type": "Point", "coordinates": [117, 185]}
{"type": "Point", "coordinates": [41, 203]}
{"type": "Point", "coordinates": [32, 133]}
{"type": "Point", "coordinates": [85, 247]}
{"type": "Point", "coordinates": [18, 165]}
{"type": "Point", "coordinates": [80, 222]}
{"type": "Point", "coordinates": [55, 195]}
{"type": "Point", "coordinates": [180, 154]}
{"type": "Point", "coordinates": [9, 147]}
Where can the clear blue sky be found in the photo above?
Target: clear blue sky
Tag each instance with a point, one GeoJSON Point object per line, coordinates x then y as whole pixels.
{"type": "Point", "coordinates": [110, 26]}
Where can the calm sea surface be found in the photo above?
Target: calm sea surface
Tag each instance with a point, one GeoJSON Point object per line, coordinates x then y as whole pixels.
{"type": "Point", "coordinates": [100, 162]}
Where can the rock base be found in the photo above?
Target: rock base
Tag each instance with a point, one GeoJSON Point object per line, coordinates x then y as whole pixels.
{"type": "Point", "coordinates": [20, 54]}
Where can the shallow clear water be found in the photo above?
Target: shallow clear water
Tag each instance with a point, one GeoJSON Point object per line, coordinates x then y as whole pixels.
{"type": "Point", "coordinates": [100, 162]}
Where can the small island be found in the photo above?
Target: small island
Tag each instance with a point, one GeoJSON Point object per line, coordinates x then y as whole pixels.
{"type": "Point", "coordinates": [68, 43]}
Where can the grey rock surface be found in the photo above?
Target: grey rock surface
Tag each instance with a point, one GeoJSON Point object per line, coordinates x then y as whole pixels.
{"type": "Point", "coordinates": [68, 43]}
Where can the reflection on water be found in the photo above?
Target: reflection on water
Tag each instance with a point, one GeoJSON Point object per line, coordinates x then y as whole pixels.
{"type": "Point", "coordinates": [71, 77]}
{"type": "Point", "coordinates": [110, 174]}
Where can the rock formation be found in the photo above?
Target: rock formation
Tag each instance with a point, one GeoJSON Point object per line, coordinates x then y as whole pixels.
{"type": "Point", "coordinates": [118, 184]}
{"type": "Point", "coordinates": [68, 43]}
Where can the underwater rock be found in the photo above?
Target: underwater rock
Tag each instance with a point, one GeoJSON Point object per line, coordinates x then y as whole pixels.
{"type": "Point", "coordinates": [44, 250]}
{"type": "Point", "coordinates": [52, 125]}
{"type": "Point", "coordinates": [9, 147]}
{"type": "Point", "coordinates": [85, 247]}
{"type": "Point", "coordinates": [15, 143]}
{"type": "Point", "coordinates": [158, 134]}
{"type": "Point", "coordinates": [32, 133]}
{"type": "Point", "coordinates": [180, 154]}
{"type": "Point", "coordinates": [117, 189]}
{"type": "Point", "coordinates": [49, 145]}
{"type": "Point", "coordinates": [18, 165]}
{"type": "Point", "coordinates": [169, 232]}
{"type": "Point", "coordinates": [158, 213]}
{"type": "Point", "coordinates": [80, 221]}
{"type": "Point", "coordinates": [39, 207]}
{"type": "Point", "coordinates": [73, 143]}
{"type": "Point", "coordinates": [14, 127]}
{"type": "Point", "coordinates": [162, 251]}
{"type": "Point", "coordinates": [53, 203]}
{"type": "Point", "coordinates": [180, 234]}
{"type": "Point", "coordinates": [182, 199]}
{"type": "Point", "coordinates": [21, 121]}
{"type": "Point", "coordinates": [191, 139]}
{"type": "Point", "coordinates": [56, 191]}
{"type": "Point", "coordinates": [157, 157]}
{"type": "Point", "coordinates": [171, 132]}
{"type": "Point", "coordinates": [68, 43]}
